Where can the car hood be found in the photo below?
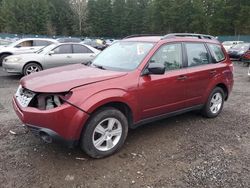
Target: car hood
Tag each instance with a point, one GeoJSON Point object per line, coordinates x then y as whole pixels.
{"type": "Point", "coordinates": [65, 78]}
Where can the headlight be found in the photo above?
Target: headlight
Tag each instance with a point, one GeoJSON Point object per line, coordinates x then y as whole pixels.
{"type": "Point", "coordinates": [13, 59]}
{"type": "Point", "coordinates": [241, 52]}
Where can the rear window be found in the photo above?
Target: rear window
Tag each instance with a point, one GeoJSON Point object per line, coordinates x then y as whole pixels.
{"type": "Point", "coordinates": [41, 43]}
{"type": "Point", "coordinates": [216, 52]}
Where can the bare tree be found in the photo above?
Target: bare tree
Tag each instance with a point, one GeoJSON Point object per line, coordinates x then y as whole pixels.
{"type": "Point", "coordinates": [79, 7]}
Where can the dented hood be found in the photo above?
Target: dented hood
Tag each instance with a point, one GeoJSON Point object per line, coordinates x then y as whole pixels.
{"type": "Point", "coordinates": [65, 78]}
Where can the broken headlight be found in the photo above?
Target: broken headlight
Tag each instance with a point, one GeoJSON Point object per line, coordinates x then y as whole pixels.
{"type": "Point", "coordinates": [49, 101]}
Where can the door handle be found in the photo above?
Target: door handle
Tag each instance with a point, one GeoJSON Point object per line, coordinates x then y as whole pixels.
{"type": "Point", "coordinates": [182, 77]}
{"type": "Point", "coordinates": [69, 56]}
{"type": "Point", "coordinates": [213, 72]}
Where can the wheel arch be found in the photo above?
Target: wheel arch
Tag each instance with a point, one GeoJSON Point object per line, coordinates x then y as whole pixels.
{"type": "Point", "coordinates": [224, 88]}
{"type": "Point", "coordinates": [2, 53]}
{"type": "Point", "coordinates": [29, 62]}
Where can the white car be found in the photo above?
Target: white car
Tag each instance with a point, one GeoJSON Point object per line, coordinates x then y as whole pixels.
{"type": "Point", "coordinates": [24, 46]}
{"type": "Point", "coordinates": [229, 44]}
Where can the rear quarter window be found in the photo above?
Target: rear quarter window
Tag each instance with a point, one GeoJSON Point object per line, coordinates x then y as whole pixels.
{"type": "Point", "coordinates": [216, 52]}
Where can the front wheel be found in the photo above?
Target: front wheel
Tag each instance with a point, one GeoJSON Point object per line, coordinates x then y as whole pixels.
{"type": "Point", "coordinates": [215, 103]}
{"type": "Point", "coordinates": [105, 133]}
{"type": "Point", "coordinates": [31, 68]}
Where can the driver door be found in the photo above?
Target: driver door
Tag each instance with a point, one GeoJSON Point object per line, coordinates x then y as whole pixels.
{"type": "Point", "coordinates": [25, 47]}
{"type": "Point", "coordinates": [59, 56]}
{"type": "Point", "coordinates": [161, 94]}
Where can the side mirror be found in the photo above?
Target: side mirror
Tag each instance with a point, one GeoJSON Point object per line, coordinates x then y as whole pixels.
{"type": "Point", "coordinates": [51, 52]}
{"type": "Point", "coordinates": [18, 46]}
{"type": "Point", "coordinates": [155, 68]}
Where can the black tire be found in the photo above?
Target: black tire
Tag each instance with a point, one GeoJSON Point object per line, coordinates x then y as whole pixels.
{"type": "Point", "coordinates": [27, 68]}
{"type": "Point", "coordinates": [207, 112]}
{"type": "Point", "coordinates": [89, 133]}
{"type": "Point", "coordinates": [2, 58]}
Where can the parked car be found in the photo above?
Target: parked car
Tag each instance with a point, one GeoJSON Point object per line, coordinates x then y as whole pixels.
{"type": "Point", "coordinates": [95, 43]}
{"type": "Point", "coordinates": [23, 46]}
{"type": "Point", "coordinates": [54, 55]}
{"type": "Point", "coordinates": [64, 40]}
{"type": "Point", "coordinates": [135, 81]}
{"type": "Point", "coordinates": [239, 50]}
{"type": "Point", "coordinates": [246, 56]}
{"type": "Point", "coordinates": [229, 44]}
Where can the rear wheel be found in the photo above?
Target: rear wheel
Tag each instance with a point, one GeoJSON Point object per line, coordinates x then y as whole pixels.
{"type": "Point", "coordinates": [31, 68]}
{"type": "Point", "coordinates": [105, 133]}
{"type": "Point", "coordinates": [214, 103]}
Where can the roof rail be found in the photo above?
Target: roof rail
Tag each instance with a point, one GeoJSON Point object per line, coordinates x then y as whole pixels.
{"type": "Point", "coordinates": [200, 36]}
{"type": "Point", "coordinates": [141, 35]}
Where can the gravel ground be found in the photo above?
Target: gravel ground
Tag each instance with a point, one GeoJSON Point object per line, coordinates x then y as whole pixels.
{"type": "Point", "coordinates": [183, 151]}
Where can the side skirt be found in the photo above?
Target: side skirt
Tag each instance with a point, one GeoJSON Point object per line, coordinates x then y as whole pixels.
{"type": "Point", "coordinates": [167, 115]}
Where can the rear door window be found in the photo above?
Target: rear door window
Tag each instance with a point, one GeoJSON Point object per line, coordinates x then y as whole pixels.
{"type": "Point", "coordinates": [197, 54]}
{"type": "Point", "coordinates": [216, 52]}
{"type": "Point", "coordinates": [41, 43]}
{"type": "Point", "coordinates": [81, 49]}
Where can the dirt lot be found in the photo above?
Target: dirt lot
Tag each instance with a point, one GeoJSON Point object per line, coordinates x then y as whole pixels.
{"type": "Point", "coordinates": [183, 151]}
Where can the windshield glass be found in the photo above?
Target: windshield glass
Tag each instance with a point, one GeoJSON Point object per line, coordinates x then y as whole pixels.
{"type": "Point", "coordinates": [228, 43]}
{"type": "Point", "coordinates": [123, 55]}
{"type": "Point", "coordinates": [241, 47]}
{"type": "Point", "coordinates": [46, 49]}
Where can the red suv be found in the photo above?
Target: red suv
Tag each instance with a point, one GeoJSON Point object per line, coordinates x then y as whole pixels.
{"type": "Point", "coordinates": [135, 81]}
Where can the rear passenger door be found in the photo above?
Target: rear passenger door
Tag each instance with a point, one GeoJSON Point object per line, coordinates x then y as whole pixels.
{"type": "Point", "coordinates": [201, 69]}
{"type": "Point", "coordinates": [82, 54]}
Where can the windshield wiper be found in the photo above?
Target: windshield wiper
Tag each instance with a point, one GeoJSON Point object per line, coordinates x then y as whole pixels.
{"type": "Point", "coordinates": [88, 63]}
{"type": "Point", "coordinates": [98, 66]}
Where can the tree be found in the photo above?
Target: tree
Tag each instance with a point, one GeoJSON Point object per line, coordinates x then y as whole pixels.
{"type": "Point", "coordinates": [79, 7]}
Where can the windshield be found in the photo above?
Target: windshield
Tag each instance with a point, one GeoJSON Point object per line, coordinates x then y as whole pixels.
{"type": "Point", "coordinates": [228, 43]}
{"type": "Point", "coordinates": [123, 55]}
{"type": "Point", "coordinates": [241, 47]}
{"type": "Point", "coordinates": [46, 49]}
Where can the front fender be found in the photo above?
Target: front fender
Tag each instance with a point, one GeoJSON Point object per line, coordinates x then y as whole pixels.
{"type": "Point", "coordinates": [103, 97]}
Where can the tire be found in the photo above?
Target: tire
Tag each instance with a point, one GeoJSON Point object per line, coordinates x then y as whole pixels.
{"type": "Point", "coordinates": [214, 104]}
{"type": "Point", "coordinates": [97, 136]}
{"type": "Point", "coordinates": [31, 68]}
{"type": "Point", "coordinates": [2, 58]}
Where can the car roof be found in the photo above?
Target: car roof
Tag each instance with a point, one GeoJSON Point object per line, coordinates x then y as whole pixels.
{"type": "Point", "coordinates": [48, 39]}
{"type": "Point", "coordinates": [173, 38]}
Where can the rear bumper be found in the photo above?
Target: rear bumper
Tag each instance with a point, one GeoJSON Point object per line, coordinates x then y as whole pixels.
{"type": "Point", "coordinates": [63, 123]}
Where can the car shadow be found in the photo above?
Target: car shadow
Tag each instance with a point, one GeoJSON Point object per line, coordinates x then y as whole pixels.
{"type": "Point", "coordinates": [135, 137]}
